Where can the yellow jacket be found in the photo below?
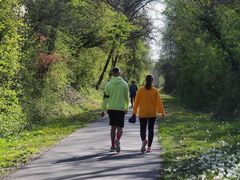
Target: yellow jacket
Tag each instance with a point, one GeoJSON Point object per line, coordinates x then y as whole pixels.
{"type": "Point", "coordinates": [148, 103]}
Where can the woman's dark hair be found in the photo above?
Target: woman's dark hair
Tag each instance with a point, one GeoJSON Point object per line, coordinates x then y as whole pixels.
{"type": "Point", "coordinates": [149, 81]}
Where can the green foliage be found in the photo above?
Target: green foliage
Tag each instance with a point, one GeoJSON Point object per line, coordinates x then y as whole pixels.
{"type": "Point", "coordinates": [48, 73]}
{"type": "Point", "coordinates": [84, 73]}
{"type": "Point", "coordinates": [195, 145]}
{"type": "Point", "coordinates": [50, 103]}
{"type": "Point", "coordinates": [201, 49]}
{"type": "Point", "coordinates": [12, 118]}
{"type": "Point", "coordinates": [137, 60]}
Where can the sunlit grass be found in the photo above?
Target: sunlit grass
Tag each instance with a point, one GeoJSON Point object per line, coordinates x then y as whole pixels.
{"type": "Point", "coordinates": [18, 149]}
{"type": "Point", "coordinates": [190, 141]}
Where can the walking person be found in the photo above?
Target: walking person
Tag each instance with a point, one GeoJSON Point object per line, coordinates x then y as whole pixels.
{"type": "Point", "coordinates": [148, 103]}
{"type": "Point", "coordinates": [116, 100]}
{"type": "Point", "coordinates": [133, 91]}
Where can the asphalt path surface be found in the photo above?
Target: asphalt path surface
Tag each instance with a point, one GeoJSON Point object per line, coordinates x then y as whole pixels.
{"type": "Point", "coordinates": [85, 155]}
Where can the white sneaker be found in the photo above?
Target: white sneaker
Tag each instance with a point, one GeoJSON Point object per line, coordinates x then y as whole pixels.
{"type": "Point", "coordinates": [112, 149]}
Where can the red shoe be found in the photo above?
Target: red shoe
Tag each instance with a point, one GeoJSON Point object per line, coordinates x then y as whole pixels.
{"type": "Point", "coordinates": [149, 149]}
{"type": "Point", "coordinates": [143, 148]}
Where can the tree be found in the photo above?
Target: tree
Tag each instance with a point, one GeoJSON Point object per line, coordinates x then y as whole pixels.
{"type": "Point", "coordinates": [12, 117]}
{"type": "Point", "coordinates": [132, 10]}
{"type": "Point", "coordinates": [201, 47]}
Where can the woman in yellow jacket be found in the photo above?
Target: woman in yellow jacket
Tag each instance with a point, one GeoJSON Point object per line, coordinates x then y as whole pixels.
{"type": "Point", "coordinates": [147, 104]}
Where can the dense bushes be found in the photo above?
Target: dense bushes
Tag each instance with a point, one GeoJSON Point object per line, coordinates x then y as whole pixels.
{"type": "Point", "coordinates": [12, 117]}
{"type": "Point", "coordinates": [54, 53]}
{"type": "Point", "coordinates": [201, 54]}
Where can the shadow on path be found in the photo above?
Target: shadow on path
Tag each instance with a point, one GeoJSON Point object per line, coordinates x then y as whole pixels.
{"type": "Point", "coordinates": [84, 155]}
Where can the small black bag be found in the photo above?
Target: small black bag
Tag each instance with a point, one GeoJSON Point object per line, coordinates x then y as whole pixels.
{"type": "Point", "coordinates": [132, 119]}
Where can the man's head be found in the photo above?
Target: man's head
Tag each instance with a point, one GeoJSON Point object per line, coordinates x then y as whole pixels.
{"type": "Point", "coordinates": [116, 71]}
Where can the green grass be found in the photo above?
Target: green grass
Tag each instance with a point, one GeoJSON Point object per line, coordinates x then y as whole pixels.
{"type": "Point", "coordinates": [196, 146]}
{"type": "Point", "coordinates": [18, 149]}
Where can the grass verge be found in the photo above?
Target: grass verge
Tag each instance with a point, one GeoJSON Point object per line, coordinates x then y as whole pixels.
{"type": "Point", "coordinates": [16, 150]}
{"type": "Point", "coordinates": [195, 146]}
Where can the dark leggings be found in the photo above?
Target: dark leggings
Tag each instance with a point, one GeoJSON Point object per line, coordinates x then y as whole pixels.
{"type": "Point", "coordinates": [143, 127]}
{"type": "Point", "coordinates": [132, 99]}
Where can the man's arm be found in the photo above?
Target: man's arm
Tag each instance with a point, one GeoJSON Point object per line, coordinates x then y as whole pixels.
{"type": "Point", "coordinates": [105, 100]}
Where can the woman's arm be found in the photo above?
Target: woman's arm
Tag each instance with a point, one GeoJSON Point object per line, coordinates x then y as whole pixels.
{"type": "Point", "coordinates": [136, 103]}
{"type": "Point", "coordinates": [160, 105]}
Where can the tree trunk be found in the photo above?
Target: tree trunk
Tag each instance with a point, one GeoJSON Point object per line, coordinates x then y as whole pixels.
{"type": "Point", "coordinates": [115, 59]}
{"type": "Point", "coordinates": [106, 66]}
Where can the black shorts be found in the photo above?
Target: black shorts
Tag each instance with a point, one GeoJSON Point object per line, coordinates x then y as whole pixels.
{"type": "Point", "coordinates": [116, 118]}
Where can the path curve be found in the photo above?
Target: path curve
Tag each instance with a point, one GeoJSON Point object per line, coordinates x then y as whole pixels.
{"type": "Point", "coordinates": [85, 155]}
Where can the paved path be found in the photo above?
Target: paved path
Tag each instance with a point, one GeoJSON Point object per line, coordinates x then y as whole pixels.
{"type": "Point", "coordinates": [85, 155]}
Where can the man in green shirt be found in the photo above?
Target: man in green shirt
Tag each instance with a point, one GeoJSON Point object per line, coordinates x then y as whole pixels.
{"type": "Point", "coordinates": [116, 100]}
